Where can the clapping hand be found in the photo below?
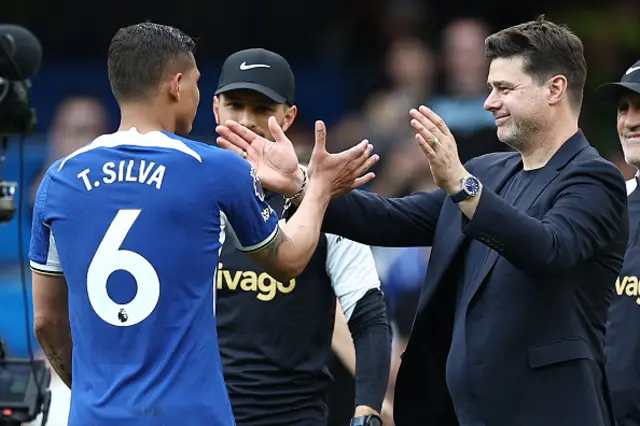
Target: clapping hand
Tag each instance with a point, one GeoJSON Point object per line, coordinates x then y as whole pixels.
{"type": "Point", "coordinates": [439, 145]}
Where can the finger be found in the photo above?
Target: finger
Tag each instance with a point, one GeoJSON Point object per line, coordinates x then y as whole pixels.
{"type": "Point", "coordinates": [223, 143]}
{"type": "Point", "coordinates": [424, 122]}
{"type": "Point", "coordinates": [361, 165]}
{"type": "Point", "coordinates": [358, 163]}
{"type": "Point", "coordinates": [275, 129]}
{"type": "Point", "coordinates": [321, 136]}
{"type": "Point", "coordinates": [367, 164]}
{"type": "Point", "coordinates": [426, 134]}
{"type": "Point", "coordinates": [244, 133]}
{"type": "Point", "coordinates": [356, 151]}
{"type": "Point", "coordinates": [363, 180]}
{"type": "Point", "coordinates": [368, 150]}
{"type": "Point", "coordinates": [435, 119]}
{"type": "Point", "coordinates": [233, 138]}
{"type": "Point", "coordinates": [426, 147]}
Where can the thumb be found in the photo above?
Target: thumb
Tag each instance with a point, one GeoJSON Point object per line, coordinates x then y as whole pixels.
{"type": "Point", "coordinates": [321, 136]}
{"type": "Point", "coordinates": [275, 129]}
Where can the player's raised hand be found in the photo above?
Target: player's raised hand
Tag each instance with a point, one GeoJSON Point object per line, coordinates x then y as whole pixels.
{"type": "Point", "coordinates": [340, 172]}
{"type": "Point", "coordinates": [275, 161]}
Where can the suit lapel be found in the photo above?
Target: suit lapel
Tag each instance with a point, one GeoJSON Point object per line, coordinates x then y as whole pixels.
{"type": "Point", "coordinates": [450, 241]}
{"type": "Point", "coordinates": [442, 254]}
{"type": "Point", "coordinates": [570, 149]}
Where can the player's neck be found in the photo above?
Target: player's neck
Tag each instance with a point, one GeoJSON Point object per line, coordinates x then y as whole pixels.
{"type": "Point", "coordinates": [144, 117]}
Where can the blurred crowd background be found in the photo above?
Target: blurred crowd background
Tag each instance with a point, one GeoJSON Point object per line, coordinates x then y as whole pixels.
{"type": "Point", "coordinates": [360, 65]}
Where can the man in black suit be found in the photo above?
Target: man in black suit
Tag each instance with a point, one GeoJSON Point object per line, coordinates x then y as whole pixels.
{"type": "Point", "coordinates": [622, 343]}
{"type": "Point", "coordinates": [526, 248]}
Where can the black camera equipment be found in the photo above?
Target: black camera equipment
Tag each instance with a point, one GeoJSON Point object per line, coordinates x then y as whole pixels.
{"type": "Point", "coordinates": [24, 390]}
{"type": "Point", "coordinates": [20, 56]}
{"type": "Point", "coordinates": [24, 383]}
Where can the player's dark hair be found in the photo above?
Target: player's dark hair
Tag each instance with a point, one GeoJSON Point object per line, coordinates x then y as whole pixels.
{"type": "Point", "coordinates": [140, 56]}
{"type": "Point", "coordinates": [548, 49]}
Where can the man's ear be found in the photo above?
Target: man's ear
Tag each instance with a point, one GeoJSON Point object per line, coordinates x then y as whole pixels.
{"type": "Point", "coordinates": [174, 86]}
{"type": "Point", "coordinates": [557, 86]}
{"type": "Point", "coordinates": [216, 108]}
{"type": "Point", "coordinates": [289, 117]}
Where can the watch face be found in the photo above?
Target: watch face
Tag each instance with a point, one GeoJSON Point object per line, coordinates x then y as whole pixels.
{"type": "Point", "coordinates": [471, 186]}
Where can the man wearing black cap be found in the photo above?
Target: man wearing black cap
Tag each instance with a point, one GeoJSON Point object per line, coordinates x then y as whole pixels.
{"type": "Point", "coordinates": [275, 338]}
{"type": "Point", "coordinates": [622, 343]}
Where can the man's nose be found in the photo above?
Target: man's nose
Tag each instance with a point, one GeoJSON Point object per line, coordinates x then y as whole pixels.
{"type": "Point", "coordinates": [632, 118]}
{"type": "Point", "coordinates": [247, 118]}
{"type": "Point", "coordinates": [491, 103]}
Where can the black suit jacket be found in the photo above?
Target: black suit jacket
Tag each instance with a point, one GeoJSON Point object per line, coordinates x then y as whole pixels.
{"type": "Point", "coordinates": [533, 335]}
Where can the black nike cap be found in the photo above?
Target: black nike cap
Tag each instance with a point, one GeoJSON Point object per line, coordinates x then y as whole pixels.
{"type": "Point", "coordinates": [261, 70]}
{"type": "Point", "coordinates": [630, 81]}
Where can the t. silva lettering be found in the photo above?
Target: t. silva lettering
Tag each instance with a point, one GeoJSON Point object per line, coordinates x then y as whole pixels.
{"type": "Point", "coordinates": [628, 286]}
{"type": "Point", "coordinates": [140, 171]}
{"type": "Point", "coordinates": [263, 284]}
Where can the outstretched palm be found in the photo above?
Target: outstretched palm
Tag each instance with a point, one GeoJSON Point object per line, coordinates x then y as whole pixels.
{"type": "Point", "coordinates": [277, 164]}
{"type": "Point", "coordinates": [275, 161]}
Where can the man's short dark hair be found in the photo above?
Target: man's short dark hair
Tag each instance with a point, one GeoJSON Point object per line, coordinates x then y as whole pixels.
{"type": "Point", "coordinates": [548, 49]}
{"type": "Point", "coordinates": [140, 55]}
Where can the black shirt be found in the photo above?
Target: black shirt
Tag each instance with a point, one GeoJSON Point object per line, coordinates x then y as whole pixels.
{"type": "Point", "coordinates": [474, 258]}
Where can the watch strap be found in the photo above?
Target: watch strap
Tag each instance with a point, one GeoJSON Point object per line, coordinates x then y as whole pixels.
{"type": "Point", "coordinates": [459, 196]}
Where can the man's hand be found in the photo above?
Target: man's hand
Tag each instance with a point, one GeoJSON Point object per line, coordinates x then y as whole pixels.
{"type": "Point", "coordinates": [437, 143]}
{"type": "Point", "coordinates": [275, 161]}
{"type": "Point", "coordinates": [277, 164]}
{"type": "Point", "coordinates": [342, 172]}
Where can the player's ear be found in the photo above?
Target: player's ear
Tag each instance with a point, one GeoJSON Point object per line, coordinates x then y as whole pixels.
{"type": "Point", "coordinates": [216, 108]}
{"type": "Point", "coordinates": [289, 117]}
{"type": "Point", "coordinates": [175, 81]}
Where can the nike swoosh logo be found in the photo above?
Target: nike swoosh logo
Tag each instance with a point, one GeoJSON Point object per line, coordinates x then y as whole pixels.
{"type": "Point", "coordinates": [244, 66]}
{"type": "Point", "coordinates": [630, 70]}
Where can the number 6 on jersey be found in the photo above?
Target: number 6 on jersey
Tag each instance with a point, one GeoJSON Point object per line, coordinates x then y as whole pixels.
{"type": "Point", "coordinates": [109, 259]}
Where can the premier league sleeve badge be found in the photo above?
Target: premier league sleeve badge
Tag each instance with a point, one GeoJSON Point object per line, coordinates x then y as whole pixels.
{"type": "Point", "coordinates": [257, 186]}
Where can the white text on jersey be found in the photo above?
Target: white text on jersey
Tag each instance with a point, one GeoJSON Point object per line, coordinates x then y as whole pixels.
{"type": "Point", "coordinates": [265, 286]}
{"type": "Point", "coordinates": [125, 171]}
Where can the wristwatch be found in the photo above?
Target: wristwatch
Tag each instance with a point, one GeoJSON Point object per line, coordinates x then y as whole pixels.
{"type": "Point", "coordinates": [370, 420]}
{"type": "Point", "coordinates": [469, 187]}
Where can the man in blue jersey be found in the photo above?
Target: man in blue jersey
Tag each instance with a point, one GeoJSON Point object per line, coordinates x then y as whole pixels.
{"type": "Point", "coordinates": [622, 339]}
{"type": "Point", "coordinates": [275, 337]}
{"type": "Point", "coordinates": [126, 235]}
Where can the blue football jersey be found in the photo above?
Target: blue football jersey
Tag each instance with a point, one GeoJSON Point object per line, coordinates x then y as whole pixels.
{"type": "Point", "coordinates": [135, 222]}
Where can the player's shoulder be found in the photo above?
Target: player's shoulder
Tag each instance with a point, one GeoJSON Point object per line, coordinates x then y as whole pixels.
{"type": "Point", "coordinates": [159, 140]}
{"type": "Point", "coordinates": [212, 153]}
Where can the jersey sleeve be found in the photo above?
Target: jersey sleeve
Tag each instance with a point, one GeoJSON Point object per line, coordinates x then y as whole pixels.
{"type": "Point", "coordinates": [352, 270]}
{"type": "Point", "coordinates": [249, 219]}
{"type": "Point", "coordinates": [43, 255]}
